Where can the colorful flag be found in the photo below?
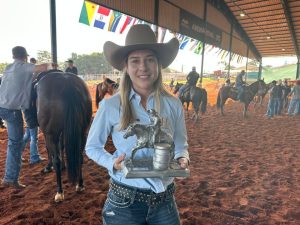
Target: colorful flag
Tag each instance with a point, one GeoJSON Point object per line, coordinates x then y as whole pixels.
{"type": "Point", "coordinates": [180, 37]}
{"type": "Point", "coordinates": [198, 48]}
{"type": "Point", "coordinates": [126, 23]}
{"type": "Point", "coordinates": [193, 45]}
{"type": "Point", "coordinates": [114, 21]}
{"type": "Point", "coordinates": [87, 12]}
{"type": "Point", "coordinates": [184, 42]}
{"type": "Point", "coordinates": [102, 17]}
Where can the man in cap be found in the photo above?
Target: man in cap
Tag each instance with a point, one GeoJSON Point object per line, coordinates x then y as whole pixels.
{"type": "Point", "coordinates": [71, 68]}
{"type": "Point", "coordinates": [192, 79]}
{"type": "Point", "coordinates": [15, 91]}
{"type": "Point", "coordinates": [239, 84]}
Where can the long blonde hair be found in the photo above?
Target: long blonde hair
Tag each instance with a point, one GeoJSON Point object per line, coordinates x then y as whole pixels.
{"type": "Point", "coordinates": [127, 115]}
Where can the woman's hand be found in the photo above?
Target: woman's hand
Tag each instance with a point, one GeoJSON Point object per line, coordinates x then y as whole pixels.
{"type": "Point", "coordinates": [118, 162]}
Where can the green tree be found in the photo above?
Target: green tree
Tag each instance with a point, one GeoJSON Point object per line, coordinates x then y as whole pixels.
{"type": "Point", "coordinates": [2, 67]}
{"type": "Point", "coordinates": [44, 57]}
{"type": "Point", "coordinates": [94, 63]}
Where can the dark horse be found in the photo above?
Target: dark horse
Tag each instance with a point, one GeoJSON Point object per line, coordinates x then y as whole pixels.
{"type": "Point", "coordinates": [196, 95]}
{"type": "Point", "coordinates": [107, 86]}
{"type": "Point", "coordinates": [250, 91]}
{"type": "Point", "coordinates": [64, 108]}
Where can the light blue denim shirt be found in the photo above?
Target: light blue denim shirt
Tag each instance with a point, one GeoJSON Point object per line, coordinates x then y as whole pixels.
{"type": "Point", "coordinates": [106, 122]}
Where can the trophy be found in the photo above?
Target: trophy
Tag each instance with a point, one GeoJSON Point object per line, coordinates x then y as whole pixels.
{"type": "Point", "coordinates": [162, 164]}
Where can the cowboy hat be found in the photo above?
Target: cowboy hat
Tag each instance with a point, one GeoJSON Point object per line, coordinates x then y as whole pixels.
{"type": "Point", "coordinates": [140, 37]}
{"type": "Point", "coordinates": [69, 61]}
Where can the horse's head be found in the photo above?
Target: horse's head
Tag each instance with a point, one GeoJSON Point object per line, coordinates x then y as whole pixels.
{"type": "Point", "coordinates": [176, 88]}
{"type": "Point", "coordinates": [130, 131]}
{"type": "Point", "coordinates": [110, 86]}
{"type": "Point", "coordinates": [262, 87]}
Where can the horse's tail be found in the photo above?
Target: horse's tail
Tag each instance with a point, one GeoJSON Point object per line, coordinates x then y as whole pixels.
{"type": "Point", "coordinates": [219, 99]}
{"type": "Point", "coordinates": [97, 98]}
{"type": "Point", "coordinates": [204, 101]}
{"type": "Point", "coordinates": [74, 128]}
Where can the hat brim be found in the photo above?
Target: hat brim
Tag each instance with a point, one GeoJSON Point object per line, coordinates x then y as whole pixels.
{"type": "Point", "coordinates": [116, 54]}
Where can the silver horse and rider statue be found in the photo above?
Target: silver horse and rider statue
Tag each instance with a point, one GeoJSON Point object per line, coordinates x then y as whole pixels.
{"type": "Point", "coordinates": [152, 136]}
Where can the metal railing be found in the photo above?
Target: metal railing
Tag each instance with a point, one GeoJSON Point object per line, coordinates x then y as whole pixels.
{"type": "Point", "coordinates": [166, 76]}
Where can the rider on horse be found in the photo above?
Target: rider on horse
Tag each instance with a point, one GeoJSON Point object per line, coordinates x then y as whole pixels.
{"type": "Point", "coordinates": [239, 84]}
{"type": "Point", "coordinates": [192, 79]}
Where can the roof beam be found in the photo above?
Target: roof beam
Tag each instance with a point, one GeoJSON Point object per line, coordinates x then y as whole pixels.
{"type": "Point", "coordinates": [256, 7]}
{"type": "Point", "coordinates": [278, 13]}
{"type": "Point", "coordinates": [222, 7]}
{"type": "Point", "coordinates": [266, 24]}
{"type": "Point", "coordinates": [248, 3]}
{"type": "Point", "coordinates": [288, 16]}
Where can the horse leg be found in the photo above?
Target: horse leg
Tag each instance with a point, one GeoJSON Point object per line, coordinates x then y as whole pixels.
{"type": "Point", "coordinates": [52, 143]}
{"type": "Point", "coordinates": [133, 152]}
{"type": "Point", "coordinates": [245, 110]}
{"type": "Point", "coordinates": [222, 106]}
{"type": "Point", "coordinates": [261, 98]}
{"type": "Point", "coordinates": [49, 166]}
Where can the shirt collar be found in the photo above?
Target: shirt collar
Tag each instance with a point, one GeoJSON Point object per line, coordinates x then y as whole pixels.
{"type": "Point", "coordinates": [133, 95]}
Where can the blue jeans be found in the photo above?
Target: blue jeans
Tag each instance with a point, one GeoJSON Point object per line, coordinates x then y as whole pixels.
{"type": "Point", "coordinates": [271, 107]}
{"type": "Point", "coordinates": [277, 106]}
{"type": "Point", "coordinates": [126, 210]}
{"type": "Point", "coordinates": [33, 135]}
{"type": "Point", "coordinates": [182, 89]}
{"type": "Point", "coordinates": [14, 121]}
{"type": "Point", "coordinates": [294, 104]}
{"type": "Point", "coordinates": [240, 92]}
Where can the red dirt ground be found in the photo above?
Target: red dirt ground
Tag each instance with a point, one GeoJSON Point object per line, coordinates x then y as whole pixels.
{"type": "Point", "coordinates": [243, 171]}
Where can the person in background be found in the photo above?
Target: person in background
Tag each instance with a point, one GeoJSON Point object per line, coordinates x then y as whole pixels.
{"type": "Point", "coordinates": [141, 200]}
{"type": "Point", "coordinates": [31, 131]}
{"type": "Point", "coordinates": [295, 100]}
{"type": "Point", "coordinates": [279, 108]}
{"type": "Point", "coordinates": [71, 68]}
{"type": "Point", "coordinates": [273, 100]}
{"type": "Point", "coordinates": [286, 91]}
{"type": "Point", "coordinates": [239, 84]}
{"type": "Point", "coordinates": [192, 79]}
{"type": "Point", "coordinates": [171, 85]}
{"type": "Point", "coordinates": [15, 93]}
{"type": "Point", "coordinates": [33, 60]}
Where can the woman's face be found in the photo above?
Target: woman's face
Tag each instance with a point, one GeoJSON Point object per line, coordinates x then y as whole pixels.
{"type": "Point", "coordinates": [142, 67]}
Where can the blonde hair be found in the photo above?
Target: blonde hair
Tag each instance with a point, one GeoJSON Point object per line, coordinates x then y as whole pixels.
{"type": "Point", "coordinates": [128, 115]}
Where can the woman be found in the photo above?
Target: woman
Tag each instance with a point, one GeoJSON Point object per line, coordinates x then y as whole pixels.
{"type": "Point", "coordinates": [142, 200]}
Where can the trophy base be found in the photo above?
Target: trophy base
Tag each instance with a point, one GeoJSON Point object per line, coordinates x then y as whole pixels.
{"type": "Point", "coordinates": [144, 169]}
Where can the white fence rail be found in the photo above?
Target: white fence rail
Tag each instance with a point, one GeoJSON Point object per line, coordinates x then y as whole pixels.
{"type": "Point", "coordinates": [166, 76]}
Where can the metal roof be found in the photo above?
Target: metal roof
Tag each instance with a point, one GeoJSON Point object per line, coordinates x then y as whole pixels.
{"type": "Point", "coordinates": [273, 26]}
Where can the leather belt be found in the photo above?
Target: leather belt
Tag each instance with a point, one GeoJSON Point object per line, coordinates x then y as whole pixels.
{"type": "Point", "coordinates": [144, 196]}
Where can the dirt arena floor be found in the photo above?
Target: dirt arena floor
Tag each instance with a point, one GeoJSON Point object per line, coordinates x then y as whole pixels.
{"type": "Point", "coordinates": [243, 171]}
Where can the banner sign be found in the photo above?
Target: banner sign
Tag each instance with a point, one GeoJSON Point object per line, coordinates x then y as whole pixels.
{"type": "Point", "coordinates": [196, 27]}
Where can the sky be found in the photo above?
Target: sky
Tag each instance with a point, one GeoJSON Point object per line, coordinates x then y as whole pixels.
{"type": "Point", "coordinates": [27, 23]}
